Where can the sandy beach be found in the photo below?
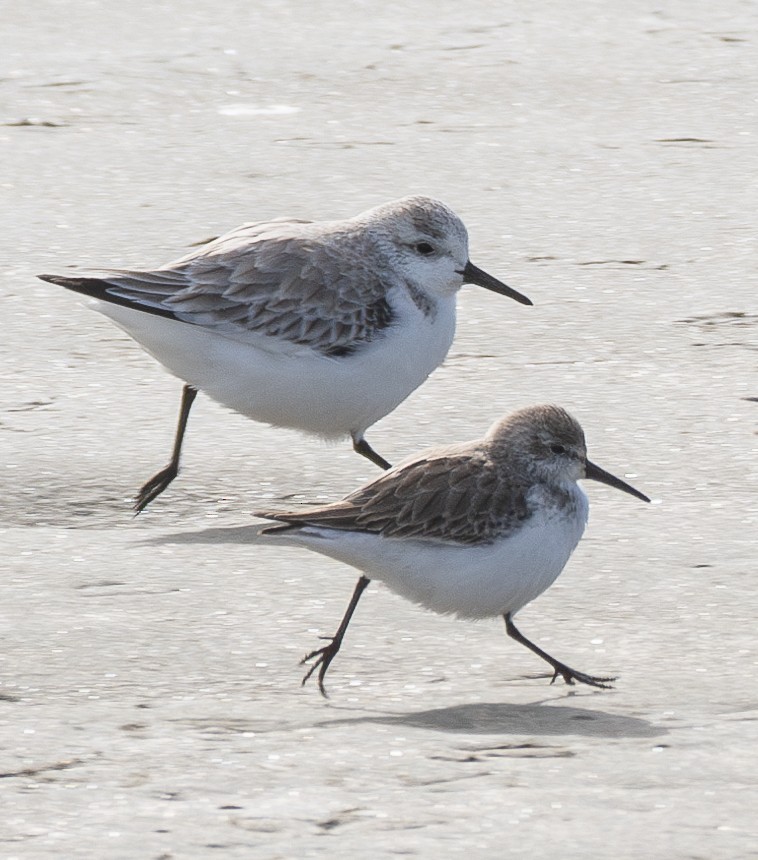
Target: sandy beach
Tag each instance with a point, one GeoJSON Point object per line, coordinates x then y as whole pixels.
{"type": "Point", "coordinates": [603, 157]}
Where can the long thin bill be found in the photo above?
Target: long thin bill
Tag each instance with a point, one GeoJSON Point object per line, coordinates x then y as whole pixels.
{"type": "Point", "coordinates": [474, 275]}
{"type": "Point", "coordinates": [595, 473]}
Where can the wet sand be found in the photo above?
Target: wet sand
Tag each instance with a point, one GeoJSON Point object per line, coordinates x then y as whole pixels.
{"type": "Point", "coordinates": [602, 158]}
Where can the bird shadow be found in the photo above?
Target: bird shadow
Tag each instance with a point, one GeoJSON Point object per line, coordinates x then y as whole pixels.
{"type": "Point", "coordinates": [503, 718]}
{"type": "Point", "coordinates": [228, 534]}
{"type": "Point", "coordinates": [537, 718]}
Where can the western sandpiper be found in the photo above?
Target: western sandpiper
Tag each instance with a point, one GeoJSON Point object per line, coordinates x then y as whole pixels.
{"type": "Point", "coordinates": [477, 529]}
{"type": "Point", "coordinates": [324, 327]}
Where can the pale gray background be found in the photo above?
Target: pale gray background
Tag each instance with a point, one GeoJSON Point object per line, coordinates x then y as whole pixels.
{"type": "Point", "coordinates": [603, 155]}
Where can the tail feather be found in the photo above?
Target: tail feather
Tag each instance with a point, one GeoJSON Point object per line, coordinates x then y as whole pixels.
{"type": "Point", "coordinates": [342, 515]}
{"type": "Point", "coordinates": [99, 288]}
{"type": "Point", "coordinates": [278, 529]}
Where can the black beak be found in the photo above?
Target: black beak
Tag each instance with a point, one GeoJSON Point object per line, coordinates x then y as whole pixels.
{"type": "Point", "coordinates": [595, 473]}
{"type": "Point", "coordinates": [473, 275]}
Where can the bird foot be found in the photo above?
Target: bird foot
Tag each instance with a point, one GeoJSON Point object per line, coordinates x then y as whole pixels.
{"type": "Point", "coordinates": [570, 675]}
{"type": "Point", "coordinates": [323, 657]}
{"type": "Point", "coordinates": [154, 487]}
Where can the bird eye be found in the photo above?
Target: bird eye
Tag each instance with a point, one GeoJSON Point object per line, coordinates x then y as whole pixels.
{"type": "Point", "coordinates": [425, 248]}
{"type": "Point", "coordinates": [557, 449]}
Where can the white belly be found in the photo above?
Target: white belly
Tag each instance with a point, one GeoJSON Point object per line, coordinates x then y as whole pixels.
{"type": "Point", "coordinates": [291, 386]}
{"type": "Point", "coordinates": [471, 582]}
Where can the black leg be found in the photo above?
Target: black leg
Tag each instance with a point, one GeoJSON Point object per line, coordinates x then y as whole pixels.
{"type": "Point", "coordinates": [569, 675]}
{"type": "Point", "coordinates": [326, 654]}
{"type": "Point", "coordinates": [362, 447]}
{"type": "Point", "coordinates": [160, 480]}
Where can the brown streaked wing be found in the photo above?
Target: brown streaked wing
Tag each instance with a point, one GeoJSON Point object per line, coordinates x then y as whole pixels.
{"type": "Point", "coordinates": [462, 498]}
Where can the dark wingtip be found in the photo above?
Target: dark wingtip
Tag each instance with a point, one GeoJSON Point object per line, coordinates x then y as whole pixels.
{"type": "Point", "coordinates": [100, 288]}
{"type": "Point", "coordinates": [283, 527]}
{"type": "Point", "coordinates": [88, 286]}
{"type": "Point", "coordinates": [53, 279]}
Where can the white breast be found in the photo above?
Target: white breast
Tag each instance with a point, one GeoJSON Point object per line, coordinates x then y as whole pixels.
{"type": "Point", "coordinates": [290, 386]}
{"type": "Point", "coordinates": [472, 582]}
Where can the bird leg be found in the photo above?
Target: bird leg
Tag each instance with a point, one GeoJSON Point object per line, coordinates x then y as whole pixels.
{"type": "Point", "coordinates": [160, 480]}
{"type": "Point", "coordinates": [326, 654]}
{"type": "Point", "coordinates": [569, 675]}
{"type": "Point", "coordinates": [362, 447]}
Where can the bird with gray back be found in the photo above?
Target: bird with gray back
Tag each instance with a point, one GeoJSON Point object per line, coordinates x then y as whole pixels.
{"type": "Point", "coordinates": [319, 326]}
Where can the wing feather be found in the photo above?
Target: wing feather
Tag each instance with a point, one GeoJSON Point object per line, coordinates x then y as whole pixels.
{"type": "Point", "coordinates": [291, 280]}
{"type": "Point", "coordinates": [455, 496]}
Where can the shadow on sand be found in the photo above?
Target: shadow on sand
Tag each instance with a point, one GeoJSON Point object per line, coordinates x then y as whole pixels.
{"type": "Point", "coordinates": [503, 718]}
{"type": "Point", "coordinates": [482, 718]}
{"type": "Point", "coordinates": [228, 534]}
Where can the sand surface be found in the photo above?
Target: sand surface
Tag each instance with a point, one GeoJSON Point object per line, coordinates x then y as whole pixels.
{"type": "Point", "coordinates": [603, 156]}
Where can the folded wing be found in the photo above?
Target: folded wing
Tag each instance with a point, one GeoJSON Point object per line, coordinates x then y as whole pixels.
{"type": "Point", "coordinates": [453, 496]}
{"type": "Point", "coordinates": [271, 278]}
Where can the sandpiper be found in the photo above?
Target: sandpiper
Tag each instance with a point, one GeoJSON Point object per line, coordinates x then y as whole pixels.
{"type": "Point", "coordinates": [320, 326]}
{"type": "Point", "coordinates": [477, 529]}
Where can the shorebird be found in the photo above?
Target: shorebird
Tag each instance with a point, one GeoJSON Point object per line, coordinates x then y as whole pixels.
{"type": "Point", "coordinates": [320, 326]}
{"type": "Point", "coordinates": [477, 529]}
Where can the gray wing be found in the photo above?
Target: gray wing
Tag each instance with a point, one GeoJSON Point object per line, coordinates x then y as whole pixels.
{"type": "Point", "coordinates": [459, 497]}
{"type": "Point", "coordinates": [278, 278]}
